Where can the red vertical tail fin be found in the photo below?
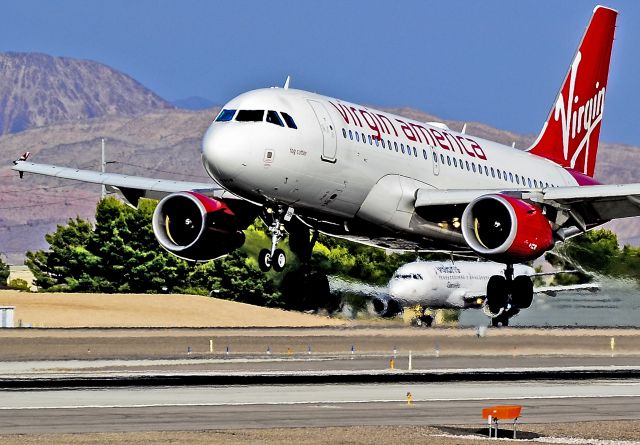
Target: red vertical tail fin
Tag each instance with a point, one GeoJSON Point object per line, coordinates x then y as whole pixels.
{"type": "Point", "coordinates": [570, 135]}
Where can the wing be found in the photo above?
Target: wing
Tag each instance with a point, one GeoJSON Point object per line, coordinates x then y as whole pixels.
{"type": "Point", "coordinates": [552, 291]}
{"type": "Point", "coordinates": [571, 209]}
{"type": "Point", "coordinates": [131, 187]}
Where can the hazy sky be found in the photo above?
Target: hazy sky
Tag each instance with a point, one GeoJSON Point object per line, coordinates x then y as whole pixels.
{"type": "Point", "coordinates": [497, 62]}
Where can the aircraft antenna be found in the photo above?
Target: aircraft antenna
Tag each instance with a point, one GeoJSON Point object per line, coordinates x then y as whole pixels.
{"type": "Point", "coordinates": [464, 128]}
{"type": "Point", "coordinates": [286, 83]}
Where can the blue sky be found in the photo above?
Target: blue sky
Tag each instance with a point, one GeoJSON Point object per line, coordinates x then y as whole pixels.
{"type": "Point", "coordinates": [497, 62]}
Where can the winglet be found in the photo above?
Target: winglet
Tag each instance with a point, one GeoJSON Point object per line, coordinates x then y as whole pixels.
{"type": "Point", "coordinates": [286, 83]}
{"type": "Point", "coordinates": [22, 158]}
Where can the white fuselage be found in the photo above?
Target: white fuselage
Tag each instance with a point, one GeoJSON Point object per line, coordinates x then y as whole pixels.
{"type": "Point", "coordinates": [445, 284]}
{"type": "Point", "coordinates": [329, 165]}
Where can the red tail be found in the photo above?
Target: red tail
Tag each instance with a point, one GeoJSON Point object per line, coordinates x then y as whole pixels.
{"type": "Point", "coordinates": [569, 137]}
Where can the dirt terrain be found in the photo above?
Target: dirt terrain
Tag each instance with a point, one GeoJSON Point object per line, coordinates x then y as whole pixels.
{"type": "Point", "coordinates": [604, 433]}
{"type": "Point", "coordinates": [59, 310]}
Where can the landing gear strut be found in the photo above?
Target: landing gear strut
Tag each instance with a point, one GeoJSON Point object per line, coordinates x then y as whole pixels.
{"type": "Point", "coordinates": [274, 258]}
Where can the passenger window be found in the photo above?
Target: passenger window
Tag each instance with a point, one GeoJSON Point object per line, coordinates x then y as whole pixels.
{"type": "Point", "coordinates": [504, 174]}
{"type": "Point", "coordinates": [389, 144]}
{"type": "Point", "coordinates": [415, 152]}
{"type": "Point", "coordinates": [517, 179]}
{"type": "Point", "coordinates": [467, 162]}
{"type": "Point", "coordinates": [535, 183]}
{"type": "Point", "coordinates": [377, 141]}
{"type": "Point", "coordinates": [493, 173]}
{"type": "Point", "coordinates": [395, 144]}
{"type": "Point", "coordinates": [369, 136]}
{"type": "Point", "coordinates": [499, 175]}
{"type": "Point", "coordinates": [357, 136]}
{"type": "Point", "coordinates": [441, 159]}
{"type": "Point", "coordinates": [461, 165]}
{"type": "Point", "coordinates": [382, 140]}
{"type": "Point", "coordinates": [364, 139]}
{"type": "Point", "coordinates": [529, 182]}
{"type": "Point", "coordinates": [289, 120]}
{"type": "Point", "coordinates": [273, 118]}
{"type": "Point", "coordinates": [424, 153]}
{"type": "Point", "coordinates": [510, 177]}
{"type": "Point", "coordinates": [402, 148]}
{"type": "Point", "coordinates": [449, 161]}
{"type": "Point", "coordinates": [350, 135]}
{"type": "Point", "coordinates": [250, 116]}
{"type": "Point", "coordinates": [344, 133]}
{"type": "Point", "coordinates": [455, 162]}
{"type": "Point", "coordinates": [435, 158]}
{"type": "Point", "coordinates": [473, 166]}
{"type": "Point", "coordinates": [225, 115]}
{"type": "Point", "coordinates": [486, 170]}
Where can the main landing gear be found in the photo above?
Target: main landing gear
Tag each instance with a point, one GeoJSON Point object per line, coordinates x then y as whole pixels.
{"type": "Point", "coordinates": [273, 258]}
{"type": "Point", "coordinates": [507, 295]}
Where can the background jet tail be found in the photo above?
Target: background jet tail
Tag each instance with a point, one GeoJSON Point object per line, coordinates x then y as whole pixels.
{"type": "Point", "coordinates": [570, 135]}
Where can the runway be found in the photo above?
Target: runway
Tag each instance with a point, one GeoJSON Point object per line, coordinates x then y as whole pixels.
{"type": "Point", "coordinates": [232, 407]}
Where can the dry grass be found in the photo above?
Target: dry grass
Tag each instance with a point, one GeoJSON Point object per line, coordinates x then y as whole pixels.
{"type": "Point", "coordinates": [56, 310]}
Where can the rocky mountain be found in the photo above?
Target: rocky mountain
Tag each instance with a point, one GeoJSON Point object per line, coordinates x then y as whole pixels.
{"type": "Point", "coordinates": [38, 90]}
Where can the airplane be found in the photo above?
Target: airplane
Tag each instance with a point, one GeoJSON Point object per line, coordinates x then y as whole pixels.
{"type": "Point", "coordinates": [423, 286]}
{"type": "Point", "coordinates": [307, 163]}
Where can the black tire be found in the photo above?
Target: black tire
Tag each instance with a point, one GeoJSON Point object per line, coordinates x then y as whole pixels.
{"type": "Point", "coordinates": [502, 320]}
{"type": "Point", "coordinates": [496, 293]}
{"type": "Point", "coordinates": [264, 260]}
{"type": "Point", "coordinates": [522, 295]}
{"type": "Point", "coordinates": [427, 320]}
{"type": "Point", "coordinates": [279, 260]}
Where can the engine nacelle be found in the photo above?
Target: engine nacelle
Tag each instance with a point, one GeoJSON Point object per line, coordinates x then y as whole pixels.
{"type": "Point", "coordinates": [506, 229]}
{"type": "Point", "coordinates": [195, 227]}
{"type": "Point", "coordinates": [386, 307]}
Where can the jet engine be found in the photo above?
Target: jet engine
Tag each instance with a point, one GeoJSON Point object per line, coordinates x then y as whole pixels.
{"type": "Point", "coordinates": [386, 307]}
{"type": "Point", "coordinates": [195, 227]}
{"type": "Point", "coordinates": [506, 229]}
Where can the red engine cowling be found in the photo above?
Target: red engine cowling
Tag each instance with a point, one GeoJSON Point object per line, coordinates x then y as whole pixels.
{"type": "Point", "coordinates": [506, 229]}
{"type": "Point", "coordinates": [195, 227]}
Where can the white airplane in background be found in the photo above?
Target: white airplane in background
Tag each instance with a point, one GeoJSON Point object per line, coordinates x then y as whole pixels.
{"type": "Point", "coordinates": [426, 285]}
{"type": "Point", "coordinates": [314, 163]}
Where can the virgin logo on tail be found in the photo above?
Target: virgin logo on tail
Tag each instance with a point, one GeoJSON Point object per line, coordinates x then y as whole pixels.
{"type": "Point", "coordinates": [582, 120]}
{"type": "Point", "coordinates": [570, 135]}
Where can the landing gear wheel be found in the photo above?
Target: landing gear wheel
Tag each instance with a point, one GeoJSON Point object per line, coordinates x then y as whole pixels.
{"type": "Point", "coordinates": [496, 293]}
{"type": "Point", "coordinates": [502, 320]}
{"type": "Point", "coordinates": [426, 321]}
{"type": "Point", "coordinates": [264, 260]}
{"type": "Point", "coordinates": [279, 260]}
{"type": "Point", "coordinates": [522, 291]}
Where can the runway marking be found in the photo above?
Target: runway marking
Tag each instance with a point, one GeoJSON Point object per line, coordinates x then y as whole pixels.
{"type": "Point", "coordinates": [313, 402]}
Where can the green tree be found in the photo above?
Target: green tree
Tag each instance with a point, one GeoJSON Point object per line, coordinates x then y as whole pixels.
{"type": "Point", "coordinates": [4, 273]}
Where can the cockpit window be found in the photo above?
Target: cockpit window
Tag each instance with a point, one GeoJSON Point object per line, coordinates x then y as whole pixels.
{"type": "Point", "coordinates": [250, 116]}
{"type": "Point", "coordinates": [289, 120]}
{"type": "Point", "coordinates": [273, 118]}
{"type": "Point", "coordinates": [225, 115]}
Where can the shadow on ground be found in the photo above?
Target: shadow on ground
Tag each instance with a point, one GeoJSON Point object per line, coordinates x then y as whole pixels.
{"type": "Point", "coordinates": [505, 432]}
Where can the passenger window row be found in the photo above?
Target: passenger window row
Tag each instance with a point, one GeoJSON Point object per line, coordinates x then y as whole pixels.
{"type": "Point", "coordinates": [273, 117]}
{"type": "Point", "coordinates": [463, 164]}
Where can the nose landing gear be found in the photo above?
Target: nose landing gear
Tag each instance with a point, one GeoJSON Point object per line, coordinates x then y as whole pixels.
{"type": "Point", "coordinates": [274, 258]}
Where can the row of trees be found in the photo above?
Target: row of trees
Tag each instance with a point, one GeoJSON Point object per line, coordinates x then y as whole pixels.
{"type": "Point", "coordinates": [119, 253]}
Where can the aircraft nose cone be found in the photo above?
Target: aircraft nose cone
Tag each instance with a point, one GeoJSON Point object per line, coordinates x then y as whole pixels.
{"type": "Point", "coordinates": [222, 154]}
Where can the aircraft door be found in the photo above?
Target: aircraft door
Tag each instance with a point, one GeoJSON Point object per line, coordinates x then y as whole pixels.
{"type": "Point", "coordinates": [434, 160]}
{"type": "Point", "coordinates": [330, 140]}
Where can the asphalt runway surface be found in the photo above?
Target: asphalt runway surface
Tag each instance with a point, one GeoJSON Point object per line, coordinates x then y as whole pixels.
{"type": "Point", "coordinates": [240, 407]}
{"type": "Point", "coordinates": [47, 355]}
